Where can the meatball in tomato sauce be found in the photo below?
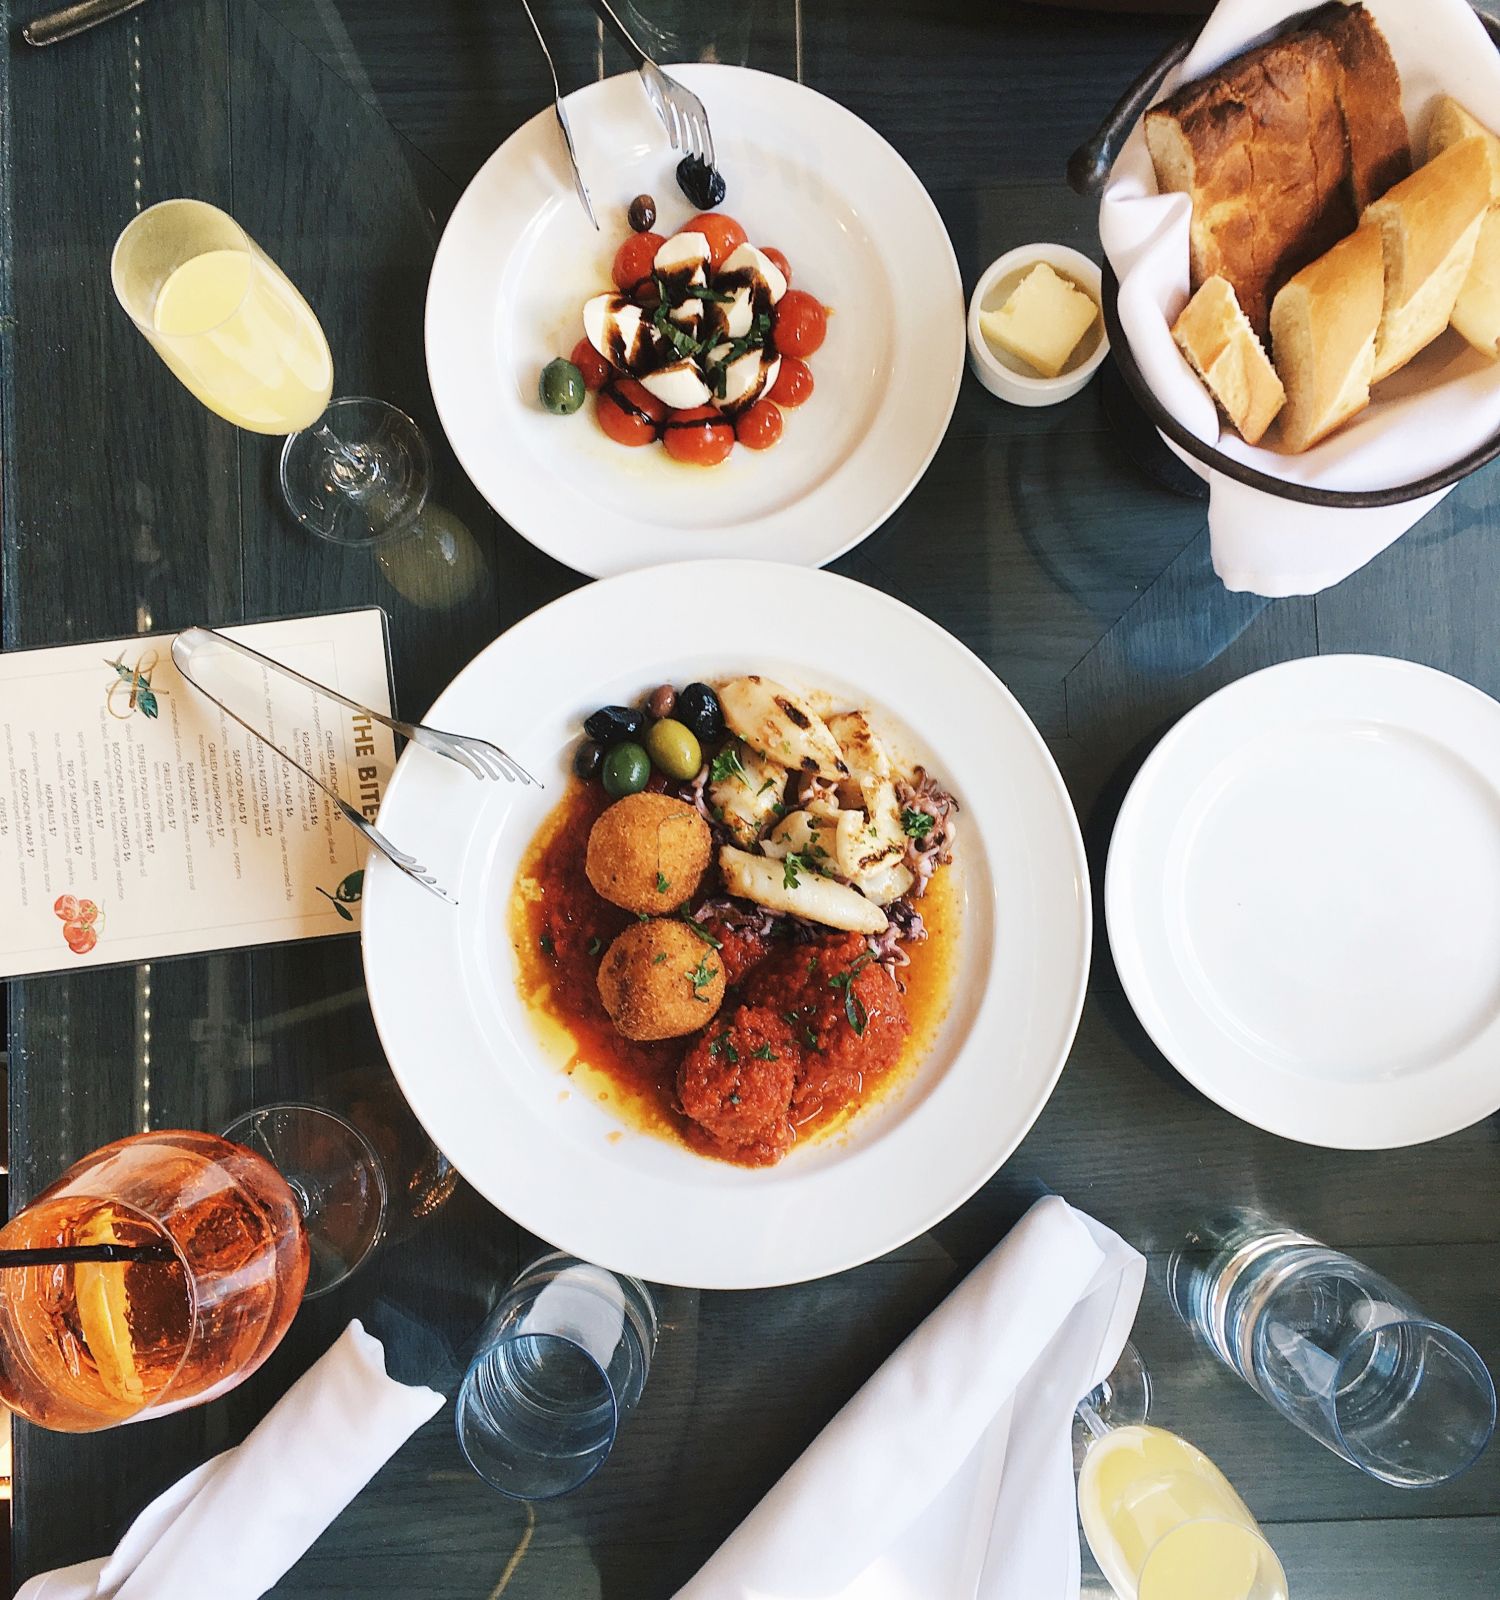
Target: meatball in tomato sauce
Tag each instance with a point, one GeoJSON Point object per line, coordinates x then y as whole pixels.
{"type": "Point", "coordinates": [737, 1083]}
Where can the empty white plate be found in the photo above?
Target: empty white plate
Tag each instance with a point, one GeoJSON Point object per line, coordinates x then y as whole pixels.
{"type": "Point", "coordinates": [1302, 901]}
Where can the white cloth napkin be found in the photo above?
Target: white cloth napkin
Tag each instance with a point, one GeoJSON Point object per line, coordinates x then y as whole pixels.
{"type": "Point", "coordinates": [236, 1525]}
{"type": "Point", "coordinates": [1427, 416]}
{"type": "Point", "coordinates": [949, 1476]}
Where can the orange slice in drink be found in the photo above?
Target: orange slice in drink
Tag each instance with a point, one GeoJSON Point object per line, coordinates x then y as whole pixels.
{"type": "Point", "coordinates": [103, 1315]}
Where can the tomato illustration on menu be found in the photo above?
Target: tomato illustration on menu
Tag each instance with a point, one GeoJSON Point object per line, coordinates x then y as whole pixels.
{"type": "Point", "coordinates": [81, 922]}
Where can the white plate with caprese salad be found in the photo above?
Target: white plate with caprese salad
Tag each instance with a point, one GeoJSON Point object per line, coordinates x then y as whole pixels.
{"type": "Point", "coordinates": [698, 432]}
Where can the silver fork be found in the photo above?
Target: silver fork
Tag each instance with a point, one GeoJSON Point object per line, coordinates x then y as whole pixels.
{"type": "Point", "coordinates": [562, 116]}
{"type": "Point", "coordinates": [681, 111]}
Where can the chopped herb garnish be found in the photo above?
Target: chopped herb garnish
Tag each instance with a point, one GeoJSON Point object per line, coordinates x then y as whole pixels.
{"type": "Point", "coordinates": [701, 977]}
{"type": "Point", "coordinates": [770, 783]}
{"type": "Point", "coordinates": [702, 292]}
{"type": "Point", "coordinates": [700, 930]}
{"type": "Point", "coordinates": [595, 946]}
{"type": "Point", "coordinates": [812, 965]}
{"type": "Point", "coordinates": [854, 1008]}
{"type": "Point", "coordinates": [643, 916]}
{"type": "Point", "coordinates": [548, 948]}
{"type": "Point", "coordinates": [722, 1047]}
{"type": "Point", "coordinates": [727, 764]}
{"type": "Point", "coordinates": [734, 1099]}
{"type": "Point", "coordinates": [657, 960]}
{"type": "Point", "coordinates": [917, 824]}
{"type": "Point", "coordinates": [777, 809]}
{"type": "Point", "coordinates": [793, 866]}
{"type": "Point", "coordinates": [765, 1053]}
{"type": "Point", "coordinates": [662, 883]}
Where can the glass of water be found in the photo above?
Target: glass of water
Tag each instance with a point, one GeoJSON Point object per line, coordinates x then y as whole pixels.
{"type": "Point", "coordinates": [561, 1360]}
{"type": "Point", "coordinates": [1336, 1349]}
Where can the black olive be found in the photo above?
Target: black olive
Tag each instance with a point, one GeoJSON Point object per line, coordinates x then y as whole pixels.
{"type": "Point", "coordinates": [701, 183]}
{"type": "Point", "coordinates": [698, 709]}
{"type": "Point", "coordinates": [612, 725]}
{"type": "Point", "coordinates": [642, 213]}
{"type": "Point", "coordinates": [587, 759]}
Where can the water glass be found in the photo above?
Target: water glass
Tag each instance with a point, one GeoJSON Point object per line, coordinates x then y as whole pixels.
{"type": "Point", "coordinates": [562, 1359]}
{"type": "Point", "coordinates": [1336, 1349]}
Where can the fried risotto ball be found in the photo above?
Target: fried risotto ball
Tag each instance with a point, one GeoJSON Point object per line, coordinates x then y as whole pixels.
{"type": "Point", "coordinates": [659, 980]}
{"type": "Point", "coordinates": [737, 1081]}
{"type": "Point", "coordinates": [648, 852]}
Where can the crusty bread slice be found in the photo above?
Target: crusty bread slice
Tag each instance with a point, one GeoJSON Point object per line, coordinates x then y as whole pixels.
{"type": "Point", "coordinates": [1222, 349]}
{"type": "Point", "coordinates": [1369, 94]}
{"type": "Point", "coordinates": [1476, 313]}
{"type": "Point", "coordinates": [1260, 148]}
{"type": "Point", "coordinates": [1428, 225]}
{"type": "Point", "coordinates": [1323, 329]}
{"type": "Point", "coordinates": [1451, 125]}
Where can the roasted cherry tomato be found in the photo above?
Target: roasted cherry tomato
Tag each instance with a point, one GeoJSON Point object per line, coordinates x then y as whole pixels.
{"type": "Point", "coordinates": [785, 266]}
{"type": "Point", "coordinates": [794, 383]}
{"type": "Point", "coordinates": [800, 323]}
{"type": "Point", "coordinates": [633, 259]}
{"type": "Point", "coordinates": [700, 435]}
{"type": "Point", "coordinates": [724, 236]}
{"type": "Point", "coordinates": [759, 427]}
{"type": "Point", "coordinates": [595, 369]}
{"type": "Point", "coordinates": [629, 413]}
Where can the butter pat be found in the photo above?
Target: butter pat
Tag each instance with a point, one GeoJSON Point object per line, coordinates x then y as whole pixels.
{"type": "Point", "coordinates": [1042, 321]}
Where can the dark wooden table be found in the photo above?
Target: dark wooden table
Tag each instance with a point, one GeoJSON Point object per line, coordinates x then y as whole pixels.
{"type": "Point", "coordinates": [340, 132]}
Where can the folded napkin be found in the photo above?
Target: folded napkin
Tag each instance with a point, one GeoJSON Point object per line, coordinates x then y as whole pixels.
{"type": "Point", "coordinates": [1438, 409]}
{"type": "Point", "coordinates": [240, 1522]}
{"type": "Point", "coordinates": [949, 1476]}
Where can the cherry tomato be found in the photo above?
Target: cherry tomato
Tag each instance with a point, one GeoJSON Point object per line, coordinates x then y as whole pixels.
{"type": "Point", "coordinates": [87, 912]}
{"type": "Point", "coordinates": [724, 236]}
{"type": "Point", "coordinates": [81, 939]}
{"type": "Point", "coordinates": [759, 427]}
{"type": "Point", "coordinates": [629, 413]}
{"type": "Point", "coordinates": [595, 369]}
{"type": "Point", "coordinates": [800, 323]}
{"type": "Point", "coordinates": [66, 907]}
{"type": "Point", "coordinates": [785, 266]}
{"type": "Point", "coordinates": [633, 259]}
{"type": "Point", "coordinates": [700, 435]}
{"type": "Point", "coordinates": [794, 383]}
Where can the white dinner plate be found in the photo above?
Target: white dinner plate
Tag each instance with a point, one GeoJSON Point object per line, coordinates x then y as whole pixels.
{"type": "Point", "coordinates": [1301, 901]}
{"type": "Point", "coordinates": [518, 259]}
{"type": "Point", "coordinates": [442, 982]}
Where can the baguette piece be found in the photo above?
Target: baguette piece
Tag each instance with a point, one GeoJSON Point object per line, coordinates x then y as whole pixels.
{"type": "Point", "coordinates": [1260, 148]}
{"type": "Point", "coordinates": [1369, 95]}
{"type": "Point", "coordinates": [1451, 125]}
{"type": "Point", "coordinates": [1429, 226]}
{"type": "Point", "coordinates": [1476, 313]}
{"type": "Point", "coordinates": [1222, 349]}
{"type": "Point", "coordinates": [1323, 330]}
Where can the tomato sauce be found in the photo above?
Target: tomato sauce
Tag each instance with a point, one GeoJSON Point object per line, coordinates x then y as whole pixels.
{"type": "Point", "coordinates": [560, 928]}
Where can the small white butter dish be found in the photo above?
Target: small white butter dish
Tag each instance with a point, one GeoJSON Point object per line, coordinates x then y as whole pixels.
{"type": "Point", "coordinates": [1006, 375]}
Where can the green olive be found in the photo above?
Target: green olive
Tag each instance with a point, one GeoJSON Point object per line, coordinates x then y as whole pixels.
{"type": "Point", "coordinates": [674, 749]}
{"type": "Point", "coordinates": [627, 770]}
{"type": "Point", "coordinates": [561, 388]}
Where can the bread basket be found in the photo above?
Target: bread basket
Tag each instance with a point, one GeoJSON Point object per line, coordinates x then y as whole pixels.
{"type": "Point", "coordinates": [1089, 170]}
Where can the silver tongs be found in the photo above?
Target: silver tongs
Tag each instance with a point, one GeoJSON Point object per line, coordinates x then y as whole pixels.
{"type": "Point", "coordinates": [478, 756]}
{"type": "Point", "coordinates": [562, 116]}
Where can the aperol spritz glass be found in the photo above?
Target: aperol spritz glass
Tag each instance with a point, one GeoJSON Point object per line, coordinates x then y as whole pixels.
{"type": "Point", "coordinates": [86, 1346]}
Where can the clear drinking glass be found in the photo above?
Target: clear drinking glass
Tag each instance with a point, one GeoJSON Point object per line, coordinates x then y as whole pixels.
{"type": "Point", "coordinates": [335, 1176]}
{"type": "Point", "coordinates": [1161, 1519]}
{"type": "Point", "coordinates": [1336, 1349]}
{"type": "Point", "coordinates": [85, 1346]}
{"type": "Point", "coordinates": [562, 1359]}
{"type": "Point", "coordinates": [234, 330]}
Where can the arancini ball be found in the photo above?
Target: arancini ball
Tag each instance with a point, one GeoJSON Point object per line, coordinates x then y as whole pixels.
{"type": "Point", "coordinates": [659, 980]}
{"type": "Point", "coordinates": [648, 852]}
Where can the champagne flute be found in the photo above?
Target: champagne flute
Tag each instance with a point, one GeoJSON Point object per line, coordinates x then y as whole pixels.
{"type": "Point", "coordinates": [217, 1259]}
{"type": "Point", "coordinates": [233, 329]}
{"type": "Point", "coordinates": [1161, 1519]}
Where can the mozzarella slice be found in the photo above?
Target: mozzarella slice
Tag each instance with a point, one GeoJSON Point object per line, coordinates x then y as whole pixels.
{"type": "Point", "coordinates": [747, 378]}
{"type": "Point", "coordinates": [615, 329]}
{"type": "Point", "coordinates": [754, 267]}
{"type": "Point", "coordinates": [732, 318]}
{"type": "Point", "coordinates": [683, 258]}
{"type": "Point", "coordinates": [680, 385]}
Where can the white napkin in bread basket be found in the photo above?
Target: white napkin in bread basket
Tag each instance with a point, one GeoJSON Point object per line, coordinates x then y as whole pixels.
{"type": "Point", "coordinates": [1436, 410]}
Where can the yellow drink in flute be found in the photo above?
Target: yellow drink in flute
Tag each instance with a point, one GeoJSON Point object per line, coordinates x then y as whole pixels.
{"type": "Point", "coordinates": [241, 338]}
{"type": "Point", "coordinates": [1165, 1524]}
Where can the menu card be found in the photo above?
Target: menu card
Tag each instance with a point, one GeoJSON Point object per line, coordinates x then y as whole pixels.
{"type": "Point", "coordinates": [138, 820]}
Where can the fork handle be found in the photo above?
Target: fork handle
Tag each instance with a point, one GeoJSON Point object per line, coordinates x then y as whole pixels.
{"type": "Point", "coordinates": [606, 14]}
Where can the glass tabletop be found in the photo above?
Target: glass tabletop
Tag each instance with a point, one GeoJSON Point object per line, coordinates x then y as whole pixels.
{"type": "Point", "coordinates": [341, 135]}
